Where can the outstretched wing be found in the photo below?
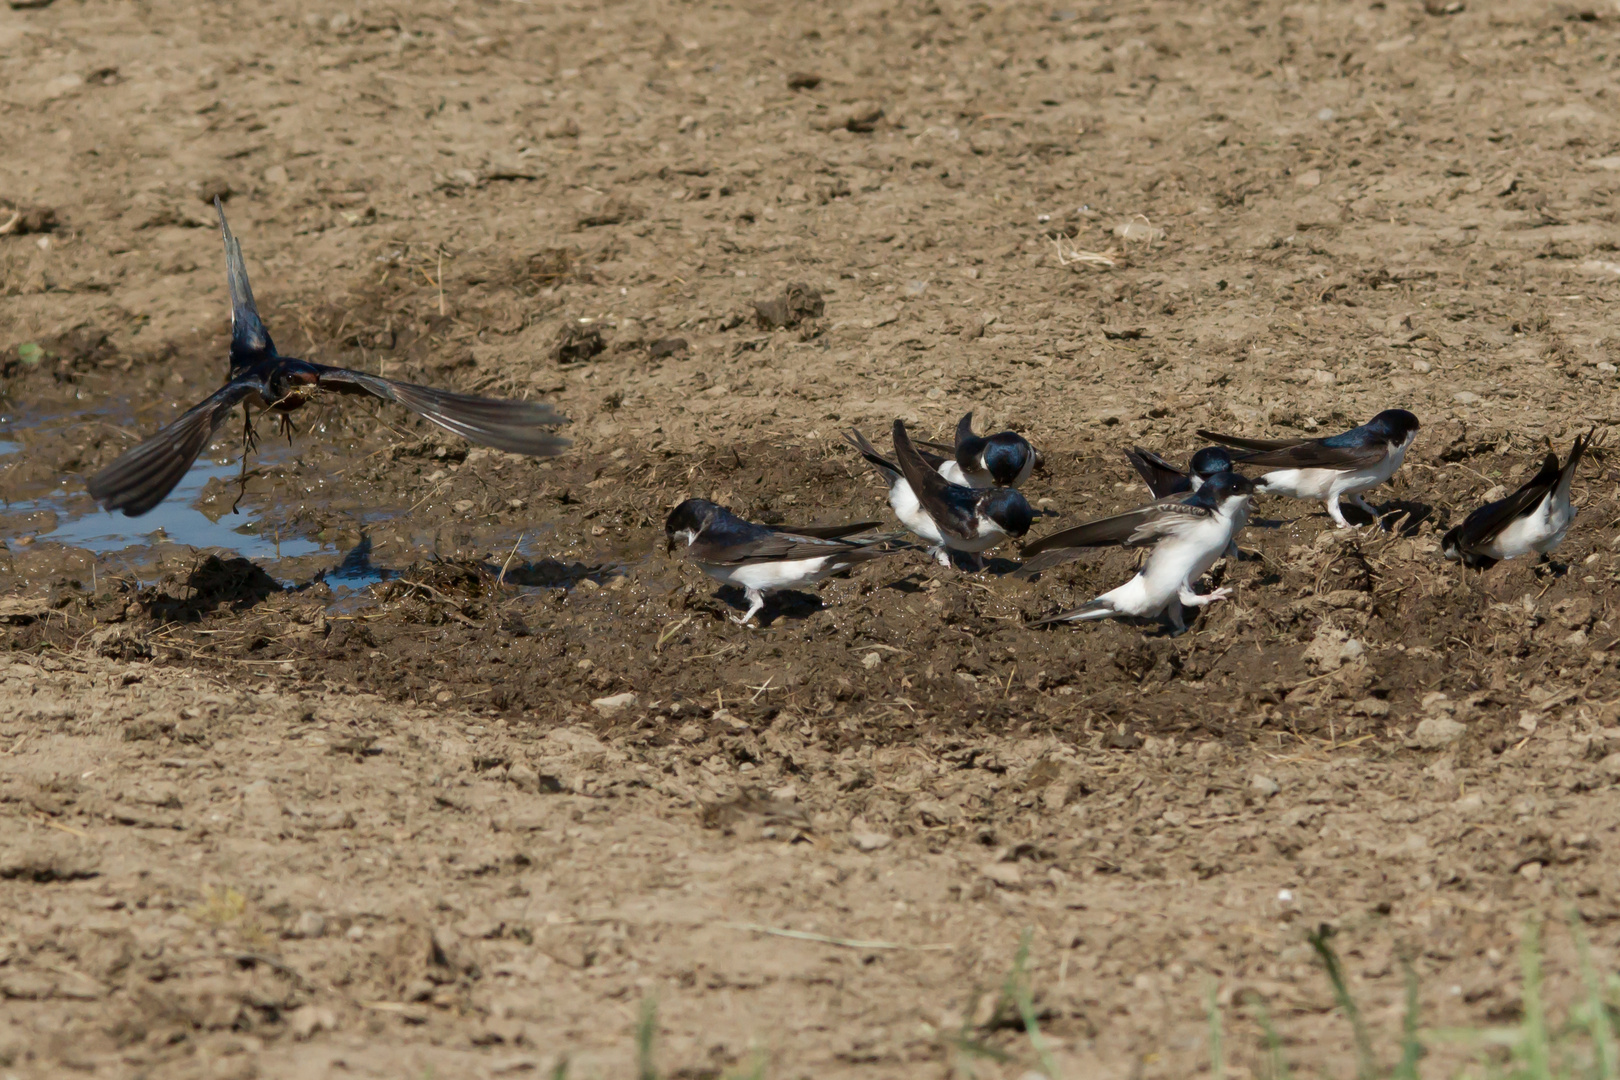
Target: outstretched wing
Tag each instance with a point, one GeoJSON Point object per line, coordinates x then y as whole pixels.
{"type": "Point", "coordinates": [1162, 478]}
{"type": "Point", "coordinates": [1300, 453]}
{"type": "Point", "coordinates": [513, 426]}
{"type": "Point", "coordinates": [143, 476]}
{"type": "Point", "coordinates": [1133, 528]}
{"type": "Point", "coordinates": [933, 491]}
{"type": "Point", "coordinates": [250, 341]}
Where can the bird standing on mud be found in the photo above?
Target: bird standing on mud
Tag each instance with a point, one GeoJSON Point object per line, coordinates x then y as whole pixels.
{"type": "Point", "coordinates": [949, 516]}
{"type": "Point", "coordinates": [1187, 538]}
{"type": "Point", "coordinates": [1004, 459]}
{"type": "Point", "coordinates": [1337, 467]}
{"type": "Point", "coordinates": [1534, 518]}
{"type": "Point", "coordinates": [1165, 480]}
{"type": "Point", "coordinates": [762, 559]}
{"type": "Point", "coordinates": [261, 378]}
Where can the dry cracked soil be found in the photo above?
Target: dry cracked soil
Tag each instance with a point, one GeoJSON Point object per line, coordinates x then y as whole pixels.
{"type": "Point", "coordinates": [429, 762]}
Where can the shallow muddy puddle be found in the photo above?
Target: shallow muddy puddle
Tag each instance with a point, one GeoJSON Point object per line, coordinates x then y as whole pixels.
{"type": "Point", "coordinates": [299, 520]}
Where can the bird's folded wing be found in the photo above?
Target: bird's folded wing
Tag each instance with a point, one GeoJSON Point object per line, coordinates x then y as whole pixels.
{"type": "Point", "coordinates": [870, 453]}
{"type": "Point", "coordinates": [1162, 478]}
{"type": "Point", "coordinates": [1566, 476]}
{"type": "Point", "coordinates": [968, 445]}
{"type": "Point", "coordinates": [933, 491]}
{"type": "Point", "coordinates": [830, 532]}
{"type": "Point", "coordinates": [934, 453]}
{"type": "Point", "coordinates": [144, 475]}
{"type": "Point", "coordinates": [1249, 444]}
{"type": "Point", "coordinates": [1312, 454]}
{"type": "Point", "coordinates": [1483, 524]}
{"type": "Point", "coordinates": [769, 546]}
{"type": "Point", "coordinates": [517, 427]}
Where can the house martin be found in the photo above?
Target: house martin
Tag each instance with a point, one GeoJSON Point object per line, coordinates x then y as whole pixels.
{"type": "Point", "coordinates": [1534, 518]}
{"type": "Point", "coordinates": [1004, 459]}
{"type": "Point", "coordinates": [762, 559]}
{"type": "Point", "coordinates": [1187, 537]}
{"type": "Point", "coordinates": [951, 517]}
{"type": "Point", "coordinates": [1164, 480]}
{"type": "Point", "coordinates": [261, 378]}
{"type": "Point", "coordinates": [1330, 469]}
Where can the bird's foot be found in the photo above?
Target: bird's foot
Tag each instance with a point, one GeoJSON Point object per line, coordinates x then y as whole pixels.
{"type": "Point", "coordinates": [941, 555]}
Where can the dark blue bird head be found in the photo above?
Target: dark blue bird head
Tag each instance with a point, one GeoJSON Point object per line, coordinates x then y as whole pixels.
{"type": "Point", "coordinates": [1220, 486]}
{"type": "Point", "coordinates": [1006, 457]}
{"type": "Point", "coordinates": [1209, 461]}
{"type": "Point", "coordinates": [689, 519]}
{"type": "Point", "coordinates": [1007, 508]}
{"type": "Point", "coordinates": [1392, 425]}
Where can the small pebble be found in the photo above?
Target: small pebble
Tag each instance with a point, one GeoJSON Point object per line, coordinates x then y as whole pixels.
{"type": "Point", "coordinates": [614, 704]}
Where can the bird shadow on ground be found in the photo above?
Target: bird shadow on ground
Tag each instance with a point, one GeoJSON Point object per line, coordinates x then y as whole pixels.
{"type": "Point", "coordinates": [1404, 516]}
{"type": "Point", "coordinates": [787, 604]}
{"type": "Point", "coordinates": [234, 583]}
{"type": "Point", "coordinates": [555, 574]}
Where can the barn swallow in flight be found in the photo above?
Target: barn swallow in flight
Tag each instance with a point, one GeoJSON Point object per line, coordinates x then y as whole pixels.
{"type": "Point", "coordinates": [1534, 518]}
{"type": "Point", "coordinates": [951, 517]}
{"type": "Point", "coordinates": [261, 378]}
{"type": "Point", "coordinates": [1339, 466]}
{"type": "Point", "coordinates": [1187, 537]}
{"type": "Point", "coordinates": [1004, 459]}
{"type": "Point", "coordinates": [762, 559]}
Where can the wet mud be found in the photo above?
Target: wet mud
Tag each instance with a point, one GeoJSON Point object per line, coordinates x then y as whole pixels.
{"type": "Point", "coordinates": [404, 755]}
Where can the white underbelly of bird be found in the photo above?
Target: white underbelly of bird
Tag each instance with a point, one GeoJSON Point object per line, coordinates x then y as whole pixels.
{"type": "Point", "coordinates": [1540, 531]}
{"type": "Point", "coordinates": [1323, 484]}
{"type": "Point", "coordinates": [771, 576]}
{"type": "Point", "coordinates": [903, 501]}
{"type": "Point", "coordinates": [1173, 568]}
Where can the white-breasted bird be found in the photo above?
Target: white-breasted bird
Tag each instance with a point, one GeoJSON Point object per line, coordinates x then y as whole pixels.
{"type": "Point", "coordinates": [1187, 537]}
{"type": "Point", "coordinates": [1336, 467]}
{"type": "Point", "coordinates": [1534, 518]}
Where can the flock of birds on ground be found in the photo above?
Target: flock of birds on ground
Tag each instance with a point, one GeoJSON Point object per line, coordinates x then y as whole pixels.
{"type": "Point", "coordinates": [961, 499]}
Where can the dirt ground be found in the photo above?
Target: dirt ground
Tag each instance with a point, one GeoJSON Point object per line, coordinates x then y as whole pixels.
{"type": "Point", "coordinates": [467, 820]}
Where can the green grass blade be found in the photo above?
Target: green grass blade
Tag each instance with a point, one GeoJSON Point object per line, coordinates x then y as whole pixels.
{"type": "Point", "coordinates": [560, 1072]}
{"type": "Point", "coordinates": [646, 1028]}
{"type": "Point", "coordinates": [1018, 989]}
{"type": "Point", "coordinates": [1279, 1064]}
{"type": "Point", "coordinates": [1217, 1048]}
{"type": "Point", "coordinates": [1366, 1064]}
{"type": "Point", "coordinates": [1534, 1050]}
{"type": "Point", "coordinates": [1411, 1047]}
{"type": "Point", "coordinates": [1599, 1021]}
